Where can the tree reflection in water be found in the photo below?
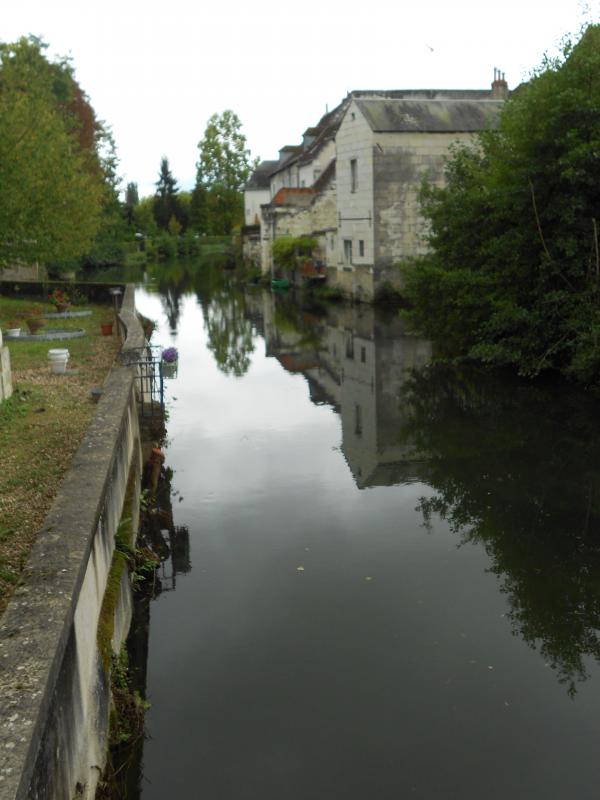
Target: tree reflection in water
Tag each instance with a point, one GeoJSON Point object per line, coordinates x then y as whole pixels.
{"type": "Point", "coordinates": [230, 333]}
{"type": "Point", "coordinates": [517, 469]}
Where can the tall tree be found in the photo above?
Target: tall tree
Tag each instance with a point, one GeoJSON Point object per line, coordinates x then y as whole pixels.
{"type": "Point", "coordinates": [223, 168]}
{"type": "Point", "coordinates": [165, 202]}
{"type": "Point", "coordinates": [131, 201]}
{"type": "Point", "coordinates": [53, 186]}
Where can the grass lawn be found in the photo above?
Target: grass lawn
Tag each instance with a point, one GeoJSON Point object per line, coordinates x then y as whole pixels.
{"type": "Point", "coordinates": [42, 425]}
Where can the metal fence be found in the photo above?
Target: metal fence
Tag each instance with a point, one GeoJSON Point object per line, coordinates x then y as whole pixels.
{"type": "Point", "coordinates": [149, 365]}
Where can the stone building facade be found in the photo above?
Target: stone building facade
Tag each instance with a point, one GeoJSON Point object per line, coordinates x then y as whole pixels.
{"type": "Point", "coordinates": [386, 146]}
{"type": "Point", "coordinates": [354, 182]}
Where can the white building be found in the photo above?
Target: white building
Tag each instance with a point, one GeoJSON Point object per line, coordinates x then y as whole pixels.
{"type": "Point", "coordinates": [370, 154]}
{"type": "Point", "coordinates": [385, 146]}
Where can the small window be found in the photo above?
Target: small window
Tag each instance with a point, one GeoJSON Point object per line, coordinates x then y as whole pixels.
{"type": "Point", "coordinates": [361, 247]}
{"type": "Point", "coordinates": [363, 354]}
{"type": "Point", "coordinates": [332, 243]}
{"type": "Point", "coordinates": [353, 175]}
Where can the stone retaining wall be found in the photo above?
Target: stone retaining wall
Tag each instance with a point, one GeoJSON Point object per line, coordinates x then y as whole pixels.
{"type": "Point", "coordinates": [54, 692]}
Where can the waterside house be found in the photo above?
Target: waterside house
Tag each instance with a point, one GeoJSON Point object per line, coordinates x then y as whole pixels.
{"type": "Point", "coordinates": [353, 184]}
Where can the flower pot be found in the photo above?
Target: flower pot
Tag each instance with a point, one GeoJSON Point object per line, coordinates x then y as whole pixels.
{"type": "Point", "coordinates": [58, 359]}
{"type": "Point", "coordinates": [169, 369]}
{"type": "Point", "coordinates": [61, 308]}
{"type": "Point", "coordinates": [34, 325]}
{"type": "Point", "coordinates": [106, 329]}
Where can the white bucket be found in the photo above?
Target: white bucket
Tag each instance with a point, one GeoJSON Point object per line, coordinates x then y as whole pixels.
{"type": "Point", "coordinates": [58, 359]}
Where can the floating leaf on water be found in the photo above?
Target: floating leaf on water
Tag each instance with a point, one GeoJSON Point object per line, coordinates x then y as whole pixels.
{"type": "Point", "coordinates": [300, 569]}
{"type": "Point", "coordinates": [368, 578]}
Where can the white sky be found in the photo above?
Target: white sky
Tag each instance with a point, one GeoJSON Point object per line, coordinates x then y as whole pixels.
{"type": "Point", "coordinates": [155, 72]}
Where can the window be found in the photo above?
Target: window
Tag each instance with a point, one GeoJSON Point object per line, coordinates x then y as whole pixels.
{"type": "Point", "coordinates": [353, 175]}
{"type": "Point", "coordinates": [332, 242]}
{"type": "Point", "coordinates": [316, 173]}
{"type": "Point", "coordinates": [347, 251]}
{"type": "Point", "coordinates": [363, 354]}
{"type": "Point", "coordinates": [361, 247]}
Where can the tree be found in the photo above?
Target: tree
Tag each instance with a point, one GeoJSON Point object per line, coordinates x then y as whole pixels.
{"type": "Point", "coordinates": [223, 168]}
{"type": "Point", "coordinates": [143, 216]}
{"type": "Point", "coordinates": [53, 185]}
{"type": "Point", "coordinates": [515, 276]}
{"type": "Point", "coordinates": [131, 201]}
{"type": "Point", "coordinates": [165, 199]}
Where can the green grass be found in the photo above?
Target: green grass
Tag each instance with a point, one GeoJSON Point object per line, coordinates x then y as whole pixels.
{"type": "Point", "coordinates": [41, 427]}
{"type": "Point", "coordinates": [28, 354]}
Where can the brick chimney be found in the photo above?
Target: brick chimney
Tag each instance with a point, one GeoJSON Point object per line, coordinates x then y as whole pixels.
{"type": "Point", "coordinates": [499, 86]}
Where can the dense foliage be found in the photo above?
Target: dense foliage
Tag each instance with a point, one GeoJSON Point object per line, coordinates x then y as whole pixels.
{"type": "Point", "coordinates": [54, 169]}
{"type": "Point", "coordinates": [288, 249]}
{"type": "Point", "coordinates": [515, 272]}
{"type": "Point", "coordinates": [223, 167]}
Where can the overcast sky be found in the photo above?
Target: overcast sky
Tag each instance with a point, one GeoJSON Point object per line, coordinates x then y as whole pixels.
{"type": "Point", "coordinates": [155, 72]}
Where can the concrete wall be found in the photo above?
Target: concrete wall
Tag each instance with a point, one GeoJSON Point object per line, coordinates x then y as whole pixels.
{"type": "Point", "coordinates": [400, 163]}
{"type": "Point", "coordinates": [54, 693]}
{"type": "Point", "coordinates": [251, 245]}
{"type": "Point", "coordinates": [5, 373]}
{"type": "Point", "coordinates": [253, 199]}
{"type": "Point", "coordinates": [23, 272]}
{"type": "Point", "coordinates": [355, 209]}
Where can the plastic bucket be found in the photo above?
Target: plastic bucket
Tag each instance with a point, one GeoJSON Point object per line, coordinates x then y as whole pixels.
{"type": "Point", "coordinates": [58, 358]}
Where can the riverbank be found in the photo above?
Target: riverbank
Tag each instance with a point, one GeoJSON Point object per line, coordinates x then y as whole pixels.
{"type": "Point", "coordinates": [42, 426]}
{"type": "Point", "coordinates": [54, 687]}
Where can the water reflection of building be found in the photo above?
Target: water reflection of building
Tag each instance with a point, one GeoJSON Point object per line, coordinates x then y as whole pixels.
{"type": "Point", "coordinates": [358, 364]}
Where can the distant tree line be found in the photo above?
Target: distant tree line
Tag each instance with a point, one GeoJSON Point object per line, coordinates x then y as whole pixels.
{"type": "Point", "coordinates": [215, 206]}
{"type": "Point", "coordinates": [60, 203]}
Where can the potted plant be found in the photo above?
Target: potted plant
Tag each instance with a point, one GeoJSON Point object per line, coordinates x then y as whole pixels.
{"type": "Point", "coordinates": [106, 328]}
{"type": "Point", "coordinates": [12, 327]}
{"type": "Point", "coordinates": [33, 319]}
{"type": "Point", "coordinates": [60, 300]}
{"type": "Point", "coordinates": [169, 360]}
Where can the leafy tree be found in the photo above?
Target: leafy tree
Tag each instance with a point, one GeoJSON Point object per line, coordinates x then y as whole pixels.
{"type": "Point", "coordinates": [131, 201]}
{"type": "Point", "coordinates": [198, 213]}
{"type": "Point", "coordinates": [223, 168]}
{"type": "Point", "coordinates": [143, 216]}
{"type": "Point", "coordinates": [515, 275]}
{"type": "Point", "coordinates": [53, 184]}
{"type": "Point", "coordinates": [165, 199]}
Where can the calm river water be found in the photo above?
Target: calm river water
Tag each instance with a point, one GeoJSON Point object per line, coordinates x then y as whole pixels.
{"type": "Point", "coordinates": [392, 587]}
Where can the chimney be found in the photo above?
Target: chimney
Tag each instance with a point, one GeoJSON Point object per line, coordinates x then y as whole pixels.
{"type": "Point", "coordinates": [499, 86]}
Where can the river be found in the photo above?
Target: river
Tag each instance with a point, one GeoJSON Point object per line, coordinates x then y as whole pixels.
{"type": "Point", "coordinates": [389, 584]}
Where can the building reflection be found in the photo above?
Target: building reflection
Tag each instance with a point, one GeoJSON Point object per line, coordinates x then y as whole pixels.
{"type": "Point", "coordinates": [358, 364]}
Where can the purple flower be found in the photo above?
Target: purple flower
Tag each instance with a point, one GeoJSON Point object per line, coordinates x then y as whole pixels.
{"type": "Point", "coordinates": [170, 355]}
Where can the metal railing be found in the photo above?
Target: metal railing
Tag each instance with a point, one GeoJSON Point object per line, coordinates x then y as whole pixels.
{"type": "Point", "coordinates": [149, 366]}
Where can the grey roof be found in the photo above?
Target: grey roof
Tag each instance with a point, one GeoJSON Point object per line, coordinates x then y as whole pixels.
{"type": "Point", "coordinates": [261, 177]}
{"type": "Point", "coordinates": [429, 116]}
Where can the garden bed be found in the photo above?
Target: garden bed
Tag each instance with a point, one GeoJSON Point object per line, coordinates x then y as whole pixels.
{"type": "Point", "coordinates": [42, 425]}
